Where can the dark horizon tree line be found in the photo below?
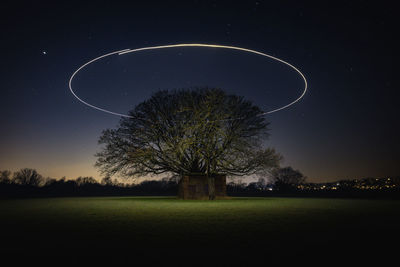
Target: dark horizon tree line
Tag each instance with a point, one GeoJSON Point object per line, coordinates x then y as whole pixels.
{"type": "Point", "coordinates": [29, 183]}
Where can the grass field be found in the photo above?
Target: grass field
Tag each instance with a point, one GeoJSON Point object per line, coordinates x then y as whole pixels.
{"type": "Point", "coordinates": [268, 225]}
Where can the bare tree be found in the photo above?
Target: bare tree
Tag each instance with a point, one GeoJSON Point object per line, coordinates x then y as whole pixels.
{"type": "Point", "coordinates": [5, 176]}
{"type": "Point", "coordinates": [287, 178]}
{"type": "Point", "coordinates": [85, 180]}
{"type": "Point", "coordinates": [189, 131]}
{"type": "Point", "coordinates": [107, 181]}
{"type": "Point", "coordinates": [27, 176]}
{"type": "Point", "coordinates": [261, 183]}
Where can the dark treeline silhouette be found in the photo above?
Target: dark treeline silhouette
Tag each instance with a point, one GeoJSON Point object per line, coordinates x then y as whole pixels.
{"type": "Point", "coordinates": [28, 183]}
{"type": "Point", "coordinates": [284, 182]}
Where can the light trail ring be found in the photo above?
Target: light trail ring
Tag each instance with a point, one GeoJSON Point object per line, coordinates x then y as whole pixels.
{"type": "Point", "coordinates": [126, 51]}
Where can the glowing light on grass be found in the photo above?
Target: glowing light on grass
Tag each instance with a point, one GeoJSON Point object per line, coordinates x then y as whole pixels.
{"type": "Point", "coordinates": [126, 51]}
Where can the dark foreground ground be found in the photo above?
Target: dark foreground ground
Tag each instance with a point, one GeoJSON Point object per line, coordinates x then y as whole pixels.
{"type": "Point", "coordinates": [185, 233]}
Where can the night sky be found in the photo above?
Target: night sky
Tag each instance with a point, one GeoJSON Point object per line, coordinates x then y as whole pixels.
{"type": "Point", "coordinates": [345, 127]}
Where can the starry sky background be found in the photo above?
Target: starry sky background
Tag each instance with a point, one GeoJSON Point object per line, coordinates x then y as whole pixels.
{"type": "Point", "coordinates": [345, 127]}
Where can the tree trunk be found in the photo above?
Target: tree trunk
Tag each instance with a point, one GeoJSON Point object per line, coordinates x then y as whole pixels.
{"type": "Point", "coordinates": [211, 187]}
{"type": "Point", "coordinates": [211, 182]}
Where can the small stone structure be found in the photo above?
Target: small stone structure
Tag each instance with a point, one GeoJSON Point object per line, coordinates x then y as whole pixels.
{"type": "Point", "coordinates": [196, 186]}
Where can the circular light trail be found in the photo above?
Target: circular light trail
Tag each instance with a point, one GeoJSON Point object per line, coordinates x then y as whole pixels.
{"type": "Point", "coordinates": [127, 51]}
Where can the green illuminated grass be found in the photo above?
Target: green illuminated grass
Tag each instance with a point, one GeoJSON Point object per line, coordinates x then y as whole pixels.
{"type": "Point", "coordinates": [268, 224]}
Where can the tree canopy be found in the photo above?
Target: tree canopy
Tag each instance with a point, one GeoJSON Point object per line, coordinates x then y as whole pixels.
{"type": "Point", "coordinates": [27, 176]}
{"type": "Point", "coordinates": [287, 178]}
{"type": "Point", "coordinates": [188, 131]}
